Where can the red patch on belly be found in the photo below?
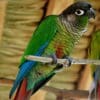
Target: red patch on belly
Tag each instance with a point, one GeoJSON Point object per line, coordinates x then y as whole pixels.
{"type": "Point", "coordinates": [59, 51]}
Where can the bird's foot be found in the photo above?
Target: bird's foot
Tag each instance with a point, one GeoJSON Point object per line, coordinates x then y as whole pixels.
{"type": "Point", "coordinates": [54, 60]}
{"type": "Point", "coordinates": [68, 61]}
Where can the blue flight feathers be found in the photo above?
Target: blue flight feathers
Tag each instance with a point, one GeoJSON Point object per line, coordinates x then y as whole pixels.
{"type": "Point", "coordinates": [25, 68]}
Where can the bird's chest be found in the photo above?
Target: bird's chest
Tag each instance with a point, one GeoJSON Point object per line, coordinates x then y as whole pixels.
{"type": "Point", "coordinates": [57, 46]}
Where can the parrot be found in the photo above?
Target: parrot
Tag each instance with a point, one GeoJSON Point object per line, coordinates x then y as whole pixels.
{"type": "Point", "coordinates": [55, 36]}
{"type": "Point", "coordinates": [94, 53]}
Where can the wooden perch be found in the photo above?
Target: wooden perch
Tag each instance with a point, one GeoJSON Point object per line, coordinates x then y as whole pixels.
{"type": "Point", "coordinates": [83, 94]}
{"type": "Point", "coordinates": [62, 61]}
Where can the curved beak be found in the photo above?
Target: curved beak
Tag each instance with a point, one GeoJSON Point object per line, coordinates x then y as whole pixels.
{"type": "Point", "coordinates": [91, 13]}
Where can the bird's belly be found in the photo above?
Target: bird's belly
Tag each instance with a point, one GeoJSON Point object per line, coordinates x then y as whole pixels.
{"type": "Point", "coordinates": [57, 46]}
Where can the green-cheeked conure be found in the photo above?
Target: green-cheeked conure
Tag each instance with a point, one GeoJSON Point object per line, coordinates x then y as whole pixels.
{"type": "Point", "coordinates": [94, 53]}
{"type": "Point", "coordinates": [56, 35]}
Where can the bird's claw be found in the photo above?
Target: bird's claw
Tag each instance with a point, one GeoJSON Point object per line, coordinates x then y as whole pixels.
{"type": "Point", "coordinates": [54, 59]}
{"type": "Point", "coordinates": [68, 61]}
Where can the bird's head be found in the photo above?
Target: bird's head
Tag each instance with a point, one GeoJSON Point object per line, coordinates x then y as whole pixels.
{"type": "Point", "coordinates": [78, 15]}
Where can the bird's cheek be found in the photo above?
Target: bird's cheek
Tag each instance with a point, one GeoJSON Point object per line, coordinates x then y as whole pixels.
{"type": "Point", "coordinates": [71, 18]}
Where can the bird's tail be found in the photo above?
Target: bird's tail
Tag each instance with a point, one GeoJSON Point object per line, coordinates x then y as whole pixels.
{"type": "Point", "coordinates": [98, 90]}
{"type": "Point", "coordinates": [94, 92]}
{"type": "Point", "coordinates": [22, 93]}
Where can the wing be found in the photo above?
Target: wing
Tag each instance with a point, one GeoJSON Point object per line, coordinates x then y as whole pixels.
{"type": "Point", "coordinates": [41, 37]}
{"type": "Point", "coordinates": [44, 33]}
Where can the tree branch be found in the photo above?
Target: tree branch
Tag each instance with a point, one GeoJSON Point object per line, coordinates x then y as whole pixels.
{"type": "Point", "coordinates": [62, 61]}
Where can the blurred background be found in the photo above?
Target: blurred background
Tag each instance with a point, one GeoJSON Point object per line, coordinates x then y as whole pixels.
{"type": "Point", "coordinates": [18, 20]}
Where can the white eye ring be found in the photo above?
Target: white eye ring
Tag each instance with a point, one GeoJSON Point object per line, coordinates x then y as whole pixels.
{"type": "Point", "coordinates": [79, 12]}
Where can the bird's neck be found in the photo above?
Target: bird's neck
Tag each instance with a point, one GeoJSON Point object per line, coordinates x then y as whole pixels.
{"type": "Point", "coordinates": [77, 28]}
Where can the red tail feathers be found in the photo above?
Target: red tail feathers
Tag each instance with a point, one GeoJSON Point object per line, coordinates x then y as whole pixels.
{"type": "Point", "coordinates": [22, 93]}
{"type": "Point", "coordinates": [98, 91]}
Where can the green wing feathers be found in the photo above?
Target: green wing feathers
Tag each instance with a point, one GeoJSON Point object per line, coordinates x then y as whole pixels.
{"type": "Point", "coordinates": [43, 34]}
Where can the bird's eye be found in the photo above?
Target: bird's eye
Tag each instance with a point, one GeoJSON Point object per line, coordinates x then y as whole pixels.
{"type": "Point", "coordinates": [79, 12]}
